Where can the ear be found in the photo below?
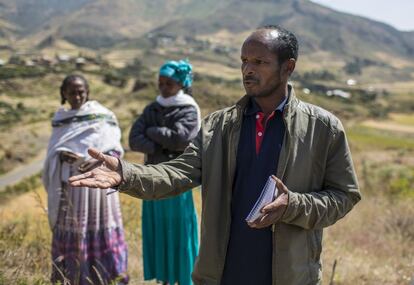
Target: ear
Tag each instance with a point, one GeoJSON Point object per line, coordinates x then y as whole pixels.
{"type": "Point", "coordinates": [63, 95]}
{"type": "Point", "coordinates": [289, 66]}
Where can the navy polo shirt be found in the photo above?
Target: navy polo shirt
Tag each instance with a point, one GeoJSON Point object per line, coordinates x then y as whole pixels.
{"type": "Point", "coordinates": [249, 252]}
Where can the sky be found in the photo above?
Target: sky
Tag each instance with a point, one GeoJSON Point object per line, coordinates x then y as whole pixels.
{"type": "Point", "coordinates": [397, 13]}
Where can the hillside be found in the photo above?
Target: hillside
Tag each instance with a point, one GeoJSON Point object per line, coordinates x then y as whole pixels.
{"type": "Point", "coordinates": [104, 23]}
{"type": "Point", "coordinates": [319, 28]}
{"type": "Point", "coordinates": [7, 33]}
{"type": "Point", "coordinates": [95, 23]}
{"type": "Point", "coordinates": [211, 32]}
{"type": "Point", "coordinates": [30, 15]}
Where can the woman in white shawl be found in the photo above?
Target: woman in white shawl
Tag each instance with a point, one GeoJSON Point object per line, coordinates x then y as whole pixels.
{"type": "Point", "coordinates": [88, 244]}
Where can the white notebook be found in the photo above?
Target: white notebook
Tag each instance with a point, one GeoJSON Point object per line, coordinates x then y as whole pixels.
{"type": "Point", "coordinates": [267, 196]}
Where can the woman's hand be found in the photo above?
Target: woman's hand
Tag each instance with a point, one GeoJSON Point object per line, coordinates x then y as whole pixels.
{"type": "Point", "coordinates": [89, 165]}
{"type": "Point", "coordinates": [68, 156]}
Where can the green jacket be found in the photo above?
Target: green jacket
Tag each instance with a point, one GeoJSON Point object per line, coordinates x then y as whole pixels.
{"type": "Point", "coordinates": [315, 164]}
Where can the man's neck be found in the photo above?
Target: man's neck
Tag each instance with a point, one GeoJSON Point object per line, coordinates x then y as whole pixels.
{"type": "Point", "coordinates": [269, 103]}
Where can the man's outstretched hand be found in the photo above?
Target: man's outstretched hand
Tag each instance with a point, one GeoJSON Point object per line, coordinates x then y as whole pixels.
{"type": "Point", "coordinates": [105, 176]}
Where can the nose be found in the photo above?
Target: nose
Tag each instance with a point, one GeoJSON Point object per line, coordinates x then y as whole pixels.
{"type": "Point", "coordinates": [247, 69]}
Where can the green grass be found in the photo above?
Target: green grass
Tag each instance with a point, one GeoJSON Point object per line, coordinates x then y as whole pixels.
{"type": "Point", "coordinates": [22, 187]}
{"type": "Point", "coordinates": [369, 138]}
{"type": "Point", "coordinates": [21, 72]}
{"type": "Point", "coordinates": [403, 119]}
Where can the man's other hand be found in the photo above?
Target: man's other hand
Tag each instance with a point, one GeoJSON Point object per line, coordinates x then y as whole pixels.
{"type": "Point", "coordinates": [273, 212]}
{"type": "Point", "coordinates": [105, 176]}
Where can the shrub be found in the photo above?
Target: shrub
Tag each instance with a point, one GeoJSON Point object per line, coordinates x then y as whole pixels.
{"type": "Point", "coordinates": [22, 72]}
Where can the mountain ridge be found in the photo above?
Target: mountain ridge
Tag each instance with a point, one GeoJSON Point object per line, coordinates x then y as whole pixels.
{"type": "Point", "coordinates": [323, 33]}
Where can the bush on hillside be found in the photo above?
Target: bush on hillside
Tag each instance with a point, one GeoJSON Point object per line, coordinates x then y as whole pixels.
{"type": "Point", "coordinates": [115, 79]}
{"type": "Point", "coordinates": [22, 72]}
{"type": "Point", "coordinates": [10, 114]}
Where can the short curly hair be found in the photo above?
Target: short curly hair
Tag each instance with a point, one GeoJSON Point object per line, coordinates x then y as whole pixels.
{"type": "Point", "coordinates": [285, 46]}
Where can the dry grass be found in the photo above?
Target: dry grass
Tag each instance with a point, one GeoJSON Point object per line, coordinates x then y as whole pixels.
{"type": "Point", "coordinates": [374, 244]}
{"type": "Point", "coordinates": [216, 69]}
{"type": "Point", "coordinates": [26, 239]}
{"type": "Point", "coordinates": [403, 119]}
{"type": "Point", "coordinates": [389, 126]}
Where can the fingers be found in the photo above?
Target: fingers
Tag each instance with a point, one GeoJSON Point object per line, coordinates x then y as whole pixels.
{"type": "Point", "coordinates": [273, 212]}
{"type": "Point", "coordinates": [281, 199]}
{"type": "Point", "coordinates": [264, 221]}
{"type": "Point", "coordinates": [97, 178]}
{"type": "Point", "coordinates": [79, 177]}
{"type": "Point", "coordinates": [89, 165]}
{"type": "Point", "coordinates": [280, 186]}
{"type": "Point", "coordinates": [90, 180]}
{"type": "Point", "coordinates": [82, 183]}
{"type": "Point", "coordinates": [91, 183]}
{"type": "Point", "coordinates": [96, 154]}
{"type": "Point", "coordinates": [109, 161]}
{"type": "Point", "coordinates": [270, 207]}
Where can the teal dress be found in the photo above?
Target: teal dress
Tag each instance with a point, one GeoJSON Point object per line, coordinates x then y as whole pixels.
{"type": "Point", "coordinates": [169, 226]}
{"type": "Point", "coordinates": [170, 239]}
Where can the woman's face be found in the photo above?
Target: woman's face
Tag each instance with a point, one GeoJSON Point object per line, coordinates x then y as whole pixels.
{"type": "Point", "coordinates": [76, 93]}
{"type": "Point", "coordinates": [168, 87]}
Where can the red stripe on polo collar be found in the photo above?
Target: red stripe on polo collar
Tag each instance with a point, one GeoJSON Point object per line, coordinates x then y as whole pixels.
{"type": "Point", "coordinates": [261, 128]}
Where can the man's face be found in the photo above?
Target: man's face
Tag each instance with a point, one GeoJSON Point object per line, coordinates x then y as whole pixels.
{"type": "Point", "coordinates": [76, 93]}
{"type": "Point", "coordinates": [260, 69]}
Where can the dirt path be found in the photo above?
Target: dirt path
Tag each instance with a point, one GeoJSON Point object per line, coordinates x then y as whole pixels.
{"type": "Point", "coordinates": [24, 171]}
{"type": "Point", "coordinates": [389, 126]}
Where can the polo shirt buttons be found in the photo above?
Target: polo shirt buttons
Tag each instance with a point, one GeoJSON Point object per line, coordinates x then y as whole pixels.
{"type": "Point", "coordinates": [259, 134]}
{"type": "Point", "coordinates": [257, 116]}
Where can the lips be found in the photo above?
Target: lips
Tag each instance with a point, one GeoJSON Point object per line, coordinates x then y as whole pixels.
{"type": "Point", "coordinates": [248, 83]}
{"type": "Point", "coordinates": [250, 80]}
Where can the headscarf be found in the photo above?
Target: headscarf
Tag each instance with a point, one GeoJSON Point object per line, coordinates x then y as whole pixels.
{"type": "Point", "coordinates": [180, 71]}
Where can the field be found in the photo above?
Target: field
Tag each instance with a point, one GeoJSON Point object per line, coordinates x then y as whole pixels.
{"type": "Point", "coordinates": [374, 244]}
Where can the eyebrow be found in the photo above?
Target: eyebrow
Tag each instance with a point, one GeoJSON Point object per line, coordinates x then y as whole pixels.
{"type": "Point", "coordinates": [257, 57]}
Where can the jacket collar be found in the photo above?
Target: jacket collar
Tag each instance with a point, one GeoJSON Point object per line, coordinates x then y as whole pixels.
{"type": "Point", "coordinates": [289, 108]}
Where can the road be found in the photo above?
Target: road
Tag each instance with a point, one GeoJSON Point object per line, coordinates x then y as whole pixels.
{"type": "Point", "coordinates": [24, 171]}
{"type": "Point", "coordinates": [389, 126]}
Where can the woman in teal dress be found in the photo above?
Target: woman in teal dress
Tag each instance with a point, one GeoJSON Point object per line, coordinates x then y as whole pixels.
{"type": "Point", "coordinates": [165, 128]}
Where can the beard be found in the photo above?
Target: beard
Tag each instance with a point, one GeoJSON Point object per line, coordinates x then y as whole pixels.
{"type": "Point", "coordinates": [262, 91]}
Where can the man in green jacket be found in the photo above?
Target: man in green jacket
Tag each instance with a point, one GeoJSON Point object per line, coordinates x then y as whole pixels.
{"type": "Point", "coordinates": [268, 132]}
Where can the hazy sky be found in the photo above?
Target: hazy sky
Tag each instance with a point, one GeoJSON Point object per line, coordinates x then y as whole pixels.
{"type": "Point", "coordinates": [397, 13]}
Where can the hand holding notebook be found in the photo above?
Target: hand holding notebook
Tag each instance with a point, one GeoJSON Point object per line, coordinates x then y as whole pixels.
{"type": "Point", "coordinates": [268, 195]}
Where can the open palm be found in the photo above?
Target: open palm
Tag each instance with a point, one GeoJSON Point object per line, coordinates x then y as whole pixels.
{"type": "Point", "coordinates": [107, 175]}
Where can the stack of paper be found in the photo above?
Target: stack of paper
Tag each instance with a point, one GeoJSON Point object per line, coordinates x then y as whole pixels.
{"type": "Point", "coordinates": [267, 196]}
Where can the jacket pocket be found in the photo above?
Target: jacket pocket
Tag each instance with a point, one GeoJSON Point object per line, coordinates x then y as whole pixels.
{"type": "Point", "coordinates": [315, 249]}
{"type": "Point", "coordinates": [316, 244]}
{"type": "Point", "coordinates": [317, 234]}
